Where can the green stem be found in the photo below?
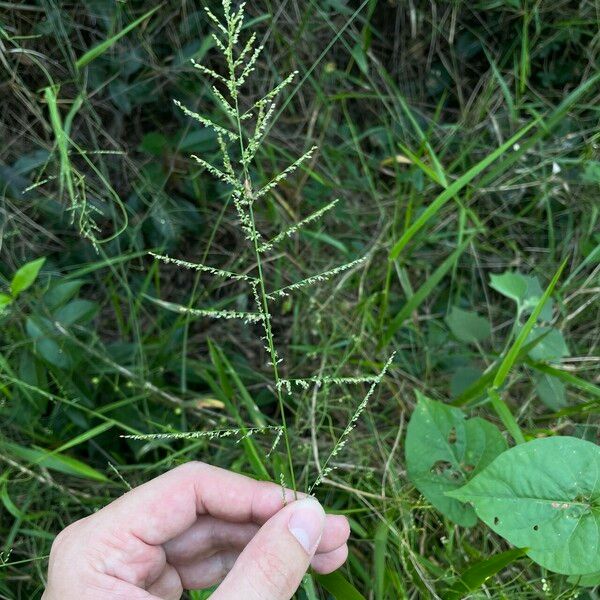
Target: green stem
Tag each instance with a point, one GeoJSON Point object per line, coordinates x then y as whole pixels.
{"type": "Point", "coordinates": [264, 308]}
{"type": "Point", "coordinates": [506, 417]}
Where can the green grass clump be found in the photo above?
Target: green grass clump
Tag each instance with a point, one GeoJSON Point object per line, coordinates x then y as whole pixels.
{"type": "Point", "coordinates": [443, 212]}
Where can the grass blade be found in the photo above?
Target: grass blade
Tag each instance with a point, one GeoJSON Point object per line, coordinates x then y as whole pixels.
{"type": "Point", "coordinates": [102, 47]}
{"type": "Point", "coordinates": [419, 296]}
{"type": "Point", "coordinates": [513, 352]}
{"type": "Point", "coordinates": [475, 576]}
{"type": "Point", "coordinates": [338, 586]}
{"type": "Point", "coordinates": [453, 189]}
{"type": "Point", "coordinates": [511, 356]}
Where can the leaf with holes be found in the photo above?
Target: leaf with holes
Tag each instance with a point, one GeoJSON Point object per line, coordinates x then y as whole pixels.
{"type": "Point", "coordinates": [444, 450]}
{"type": "Point", "coordinates": [544, 496]}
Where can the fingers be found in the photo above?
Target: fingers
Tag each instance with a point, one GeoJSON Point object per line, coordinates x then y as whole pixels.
{"type": "Point", "coordinates": [330, 561]}
{"type": "Point", "coordinates": [165, 507]}
{"type": "Point", "coordinates": [209, 535]}
{"type": "Point", "coordinates": [206, 552]}
{"type": "Point", "coordinates": [208, 571]}
{"type": "Point", "coordinates": [274, 562]}
{"type": "Point", "coordinates": [335, 533]}
{"type": "Point", "coordinates": [168, 586]}
{"type": "Point", "coordinates": [206, 536]}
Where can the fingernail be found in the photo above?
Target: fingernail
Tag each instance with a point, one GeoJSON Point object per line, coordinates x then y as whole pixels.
{"type": "Point", "coordinates": [306, 523]}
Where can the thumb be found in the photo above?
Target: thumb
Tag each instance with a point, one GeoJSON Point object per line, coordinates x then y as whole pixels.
{"type": "Point", "coordinates": [272, 565]}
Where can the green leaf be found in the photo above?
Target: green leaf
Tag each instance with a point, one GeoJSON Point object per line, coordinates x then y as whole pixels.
{"type": "Point", "coordinates": [551, 347]}
{"type": "Point", "coordinates": [463, 378]}
{"type": "Point", "coordinates": [444, 450]}
{"type": "Point", "coordinates": [589, 580]}
{"type": "Point", "coordinates": [544, 496]}
{"type": "Point", "coordinates": [419, 296]}
{"type": "Point", "coordinates": [551, 391]}
{"type": "Point", "coordinates": [338, 586]}
{"type": "Point", "coordinates": [467, 326]}
{"type": "Point", "coordinates": [453, 189]}
{"type": "Point", "coordinates": [525, 290]}
{"type": "Point", "coordinates": [61, 292]}
{"type": "Point", "coordinates": [358, 54]}
{"type": "Point", "coordinates": [45, 346]}
{"type": "Point", "coordinates": [5, 300]}
{"type": "Point", "coordinates": [153, 143]}
{"type": "Point", "coordinates": [76, 311]}
{"type": "Point", "coordinates": [25, 276]}
{"type": "Point", "coordinates": [101, 48]}
{"type": "Point", "coordinates": [476, 575]}
{"type": "Point", "coordinates": [56, 462]}
{"type": "Point", "coordinates": [513, 351]}
{"type": "Point", "coordinates": [511, 285]}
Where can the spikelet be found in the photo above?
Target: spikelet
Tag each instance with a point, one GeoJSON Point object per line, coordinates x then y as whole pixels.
{"type": "Point", "coordinates": [307, 382]}
{"type": "Point", "coordinates": [247, 317]}
{"type": "Point", "coordinates": [295, 228]}
{"type": "Point", "coordinates": [319, 277]}
{"type": "Point", "coordinates": [239, 433]}
{"type": "Point", "coordinates": [200, 267]}
{"type": "Point", "coordinates": [206, 122]}
{"type": "Point", "coordinates": [343, 439]}
{"type": "Point", "coordinates": [281, 176]}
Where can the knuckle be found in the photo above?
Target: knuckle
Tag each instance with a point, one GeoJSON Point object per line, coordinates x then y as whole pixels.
{"type": "Point", "coordinates": [192, 465]}
{"type": "Point", "coordinates": [65, 537]}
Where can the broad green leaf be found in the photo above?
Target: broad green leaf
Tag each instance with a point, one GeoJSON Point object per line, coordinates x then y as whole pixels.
{"type": "Point", "coordinates": [476, 575]}
{"type": "Point", "coordinates": [551, 391]}
{"type": "Point", "coordinates": [5, 300]}
{"type": "Point", "coordinates": [61, 292]}
{"type": "Point", "coordinates": [467, 326]}
{"type": "Point", "coordinates": [525, 290]}
{"type": "Point", "coordinates": [45, 346]}
{"type": "Point", "coordinates": [463, 378]}
{"type": "Point", "coordinates": [154, 143]}
{"type": "Point", "coordinates": [511, 285]}
{"type": "Point", "coordinates": [589, 580]}
{"type": "Point", "coordinates": [338, 586]}
{"type": "Point", "coordinates": [552, 346]}
{"type": "Point", "coordinates": [76, 311]}
{"type": "Point", "coordinates": [99, 49]}
{"type": "Point", "coordinates": [544, 496]}
{"type": "Point", "coordinates": [57, 462]}
{"type": "Point", "coordinates": [25, 276]}
{"type": "Point", "coordinates": [444, 450]}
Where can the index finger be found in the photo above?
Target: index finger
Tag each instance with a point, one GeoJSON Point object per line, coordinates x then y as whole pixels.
{"type": "Point", "coordinates": [168, 505]}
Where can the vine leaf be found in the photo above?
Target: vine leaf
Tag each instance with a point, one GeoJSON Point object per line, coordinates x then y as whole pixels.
{"type": "Point", "coordinates": [467, 326]}
{"type": "Point", "coordinates": [544, 496]}
{"type": "Point", "coordinates": [444, 450]}
{"type": "Point", "coordinates": [525, 290]}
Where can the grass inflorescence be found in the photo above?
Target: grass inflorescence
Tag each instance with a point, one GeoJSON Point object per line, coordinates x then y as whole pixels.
{"type": "Point", "coordinates": [268, 231]}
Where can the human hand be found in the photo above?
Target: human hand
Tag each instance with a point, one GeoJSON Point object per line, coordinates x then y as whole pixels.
{"type": "Point", "coordinates": [191, 528]}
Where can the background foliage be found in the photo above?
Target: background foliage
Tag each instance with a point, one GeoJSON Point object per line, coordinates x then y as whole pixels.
{"type": "Point", "coordinates": [402, 98]}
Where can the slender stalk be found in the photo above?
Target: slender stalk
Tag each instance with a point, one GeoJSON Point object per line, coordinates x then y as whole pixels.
{"type": "Point", "coordinates": [262, 298]}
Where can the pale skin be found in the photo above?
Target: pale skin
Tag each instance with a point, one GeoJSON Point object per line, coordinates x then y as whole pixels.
{"type": "Point", "coordinates": [192, 528]}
